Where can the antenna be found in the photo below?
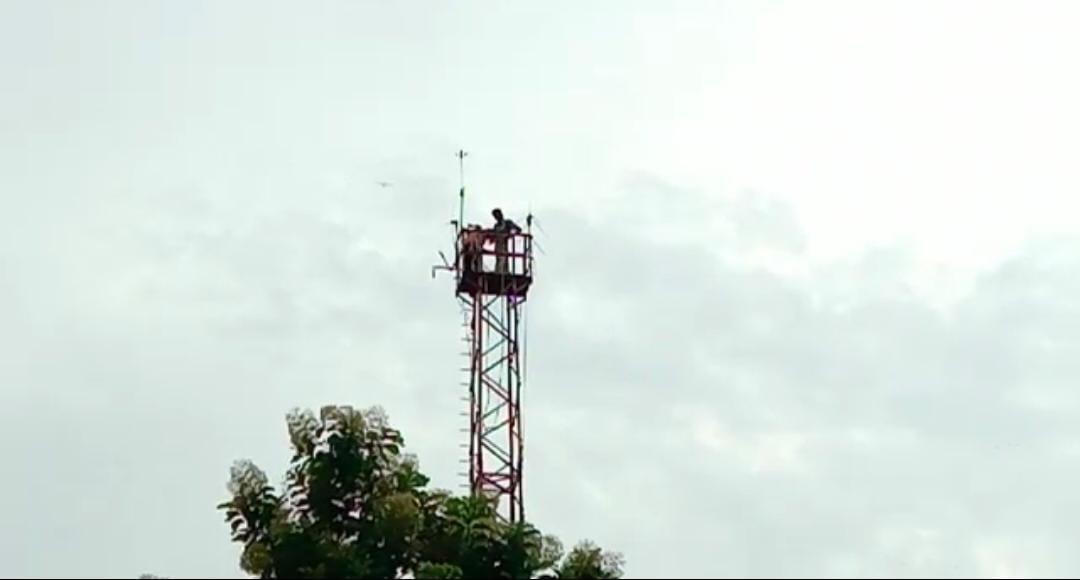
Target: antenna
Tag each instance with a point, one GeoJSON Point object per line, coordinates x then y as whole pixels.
{"type": "Point", "coordinates": [461, 154]}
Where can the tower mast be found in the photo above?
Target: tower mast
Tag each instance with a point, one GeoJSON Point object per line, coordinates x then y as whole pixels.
{"type": "Point", "coordinates": [493, 277]}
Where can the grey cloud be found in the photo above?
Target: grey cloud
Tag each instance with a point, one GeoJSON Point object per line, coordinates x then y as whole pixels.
{"type": "Point", "coordinates": [191, 244]}
{"type": "Point", "coordinates": [896, 418]}
{"type": "Point", "coordinates": [701, 415]}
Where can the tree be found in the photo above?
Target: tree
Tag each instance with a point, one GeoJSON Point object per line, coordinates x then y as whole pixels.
{"type": "Point", "coordinates": [355, 506]}
{"type": "Point", "coordinates": [587, 560]}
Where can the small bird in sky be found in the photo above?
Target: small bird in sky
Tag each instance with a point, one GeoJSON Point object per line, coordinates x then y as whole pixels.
{"type": "Point", "coordinates": [384, 184]}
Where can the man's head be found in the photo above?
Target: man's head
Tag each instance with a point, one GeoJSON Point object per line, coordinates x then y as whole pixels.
{"type": "Point", "coordinates": [497, 214]}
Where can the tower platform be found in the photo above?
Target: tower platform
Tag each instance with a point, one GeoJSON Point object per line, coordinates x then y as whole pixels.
{"type": "Point", "coordinates": [494, 284]}
{"type": "Point", "coordinates": [494, 264]}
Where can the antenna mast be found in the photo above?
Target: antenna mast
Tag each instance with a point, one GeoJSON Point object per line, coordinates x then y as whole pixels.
{"type": "Point", "coordinates": [494, 272]}
{"type": "Point", "coordinates": [461, 154]}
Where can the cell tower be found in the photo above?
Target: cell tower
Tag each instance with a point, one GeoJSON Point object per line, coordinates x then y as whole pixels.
{"type": "Point", "coordinates": [493, 273]}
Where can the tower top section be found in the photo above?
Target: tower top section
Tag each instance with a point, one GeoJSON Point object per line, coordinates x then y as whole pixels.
{"type": "Point", "coordinates": [494, 261]}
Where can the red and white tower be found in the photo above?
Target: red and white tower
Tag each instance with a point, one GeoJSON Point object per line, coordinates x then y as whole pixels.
{"type": "Point", "coordinates": [493, 272]}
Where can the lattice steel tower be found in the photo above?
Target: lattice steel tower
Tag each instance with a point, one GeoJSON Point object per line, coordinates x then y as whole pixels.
{"type": "Point", "coordinates": [493, 271]}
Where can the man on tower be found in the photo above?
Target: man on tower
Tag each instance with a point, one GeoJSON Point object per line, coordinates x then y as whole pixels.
{"type": "Point", "coordinates": [503, 229]}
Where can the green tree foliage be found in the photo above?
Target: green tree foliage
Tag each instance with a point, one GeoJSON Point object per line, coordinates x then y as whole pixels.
{"type": "Point", "coordinates": [354, 505]}
{"type": "Point", "coordinates": [587, 560]}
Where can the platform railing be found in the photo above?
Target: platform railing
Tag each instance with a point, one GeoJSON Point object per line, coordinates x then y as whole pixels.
{"type": "Point", "coordinates": [489, 252]}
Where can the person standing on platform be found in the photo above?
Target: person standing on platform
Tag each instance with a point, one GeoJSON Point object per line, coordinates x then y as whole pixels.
{"type": "Point", "coordinates": [503, 229]}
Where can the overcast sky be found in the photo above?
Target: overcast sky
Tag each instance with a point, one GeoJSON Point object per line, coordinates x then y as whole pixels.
{"type": "Point", "coordinates": [808, 303]}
